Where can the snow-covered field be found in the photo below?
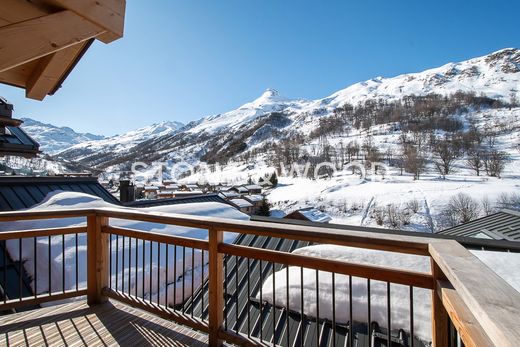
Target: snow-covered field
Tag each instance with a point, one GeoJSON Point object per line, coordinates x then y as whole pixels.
{"type": "Point", "coordinates": [63, 200]}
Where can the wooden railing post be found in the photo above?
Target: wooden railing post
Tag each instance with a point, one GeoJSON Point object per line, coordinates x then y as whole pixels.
{"type": "Point", "coordinates": [216, 286]}
{"type": "Point", "coordinates": [97, 259]}
{"type": "Point", "coordinates": [440, 317]}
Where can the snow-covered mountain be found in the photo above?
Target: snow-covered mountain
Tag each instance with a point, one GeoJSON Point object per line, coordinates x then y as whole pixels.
{"type": "Point", "coordinates": [53, 139]}
{"type": "Point", "coordinates": [273, 117]}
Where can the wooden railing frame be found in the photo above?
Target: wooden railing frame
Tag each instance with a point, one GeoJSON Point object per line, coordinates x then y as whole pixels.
{"type": "Point", "coordinates": [481, 305]}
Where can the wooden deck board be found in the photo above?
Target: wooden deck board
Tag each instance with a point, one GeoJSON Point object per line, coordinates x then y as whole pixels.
{"type": "Point", "coordinates": [110, 324]}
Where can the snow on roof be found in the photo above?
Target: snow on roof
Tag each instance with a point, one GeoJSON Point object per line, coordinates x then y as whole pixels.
{"type": "Point", "coordinates": [253, 186]}
{"type": "Point", "coordinates": [241, 189]}
{"type": "Point", "coordinates": [254, 197]}
{"type": "Point", "coordinates": [399, 294]}
{"type": "Point", "coordinates": [66, 200]}
{"type": "Point", "coordinates": [151, 188]}
{"type": "Point", "coordinates": [229, 194]}
{"type": "Point", "coordinates": [172, 186]}
{"type": "Point", "coordinates": [315, 215]}
{"type": "Point", "coordinates": [241, 203]}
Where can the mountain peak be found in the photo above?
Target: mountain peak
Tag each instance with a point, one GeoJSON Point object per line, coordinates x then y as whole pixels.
{"type": "Point", "coordinates": [270, 93]}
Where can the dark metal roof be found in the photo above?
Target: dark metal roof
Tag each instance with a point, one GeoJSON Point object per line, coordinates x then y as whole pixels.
{"type": "Point", "coordinates": [503, 225]}
{"type": "Point", "coordinates": [177, 200]}
{"type": "Point", "coordinates": [16, 142]}
{"type": "Point", "coordinates": [20, 192]}
{"type": "Point", "coordinates": [243, 309]}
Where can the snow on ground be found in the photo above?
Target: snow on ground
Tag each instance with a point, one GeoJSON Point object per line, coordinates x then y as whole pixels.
{"type": "Point", "coordinates": [191, 267]}
{"type": "Point", "coordinates": [504, 264]}
{"type": "Point", "coordinates": [399, 294]}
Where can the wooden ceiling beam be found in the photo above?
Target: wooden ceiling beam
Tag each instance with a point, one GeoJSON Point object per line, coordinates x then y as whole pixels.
{"type": "Point", "coordinates": [108, 14]}
{"type": "Point", "coordinates": [50, 71]}
{"type": "Point", "coordinates": [35, 38]}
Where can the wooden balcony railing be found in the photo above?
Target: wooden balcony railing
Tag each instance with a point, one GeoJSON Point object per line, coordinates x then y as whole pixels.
{"type": "Point", "coordinates": [467, 297]}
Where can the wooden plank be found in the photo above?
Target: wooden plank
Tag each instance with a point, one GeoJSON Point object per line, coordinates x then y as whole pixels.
{"type": "Point", "coordinates": [493, 302]}
{"type": "Point", "coordinates": [22, 234]}
{"type": "Point", "coordinates": [108, 14]}
{"type": "Point", "coordinates": [35, 38]}
{"type": "Point", "coordinates": [158, 310]}
{"type": "Point", "coordinates": [344, 237]}
{"type": "Point", "coordinates": [40, 299]}
{"type": "Point", "coordinates": [439, 315]}
{"type": "Point", "coordinates": [32, 215]}
{"type": "Point", "coordinates": [216, 288]}
{"type": "Point", "coordinates": [14, 11]}
{"type": "Point", "coordinates": [157, 237]}
{"type": "Point", "coordinates": [379, 273]}
{"type": "Point", "coordinates": [470, 331]}
{"type": "Point", "coordinates": [50, 70]}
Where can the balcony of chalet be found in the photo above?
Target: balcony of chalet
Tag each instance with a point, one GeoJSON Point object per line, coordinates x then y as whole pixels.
{"type": "Point", "coordinates": [149, 288]}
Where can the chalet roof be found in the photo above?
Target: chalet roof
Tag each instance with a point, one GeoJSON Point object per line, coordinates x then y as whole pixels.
{"type": "Point", "coordinates": [254, 198]}
{"type": "Point", "coordinates": [241, 203]}
{"type": "Point", "coordinates": [503, 225]}
{"type": "Point", "coordinates": [20, 192]}
{"type": "Point", "coordinates": [177, 200]}
{"type": "Point", "coordinates": [15, 141]}
{"type": "Point", "coordinates": [312, 214]}
{"type": "Point", "coordinates": [229, 194]}
{"type": "Point", "coordinates": [253, 187]}
{"type": "Point", "coordinates": [55, 35]}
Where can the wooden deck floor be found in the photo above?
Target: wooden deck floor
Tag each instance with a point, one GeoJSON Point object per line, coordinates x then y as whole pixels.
{"type": "Point", "coordinates": [110, 324]}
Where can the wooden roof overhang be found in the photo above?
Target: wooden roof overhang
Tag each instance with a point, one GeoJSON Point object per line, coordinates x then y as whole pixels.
{"type": "Point", "coordinates": [42, 40]}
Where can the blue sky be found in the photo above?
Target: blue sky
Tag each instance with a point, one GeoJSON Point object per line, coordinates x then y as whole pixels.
{"type": "Point", "coordinates": [181, 60]}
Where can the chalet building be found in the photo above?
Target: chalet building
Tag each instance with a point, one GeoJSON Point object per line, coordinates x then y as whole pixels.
{"type": "Point", "coordinates": [310, 214]}
{"type": "Point", "coordinates": [13, 140]}
{"type": "Point", "coordinates": [242, 204]}
{"type": "Point", "coordinates": [254, 189]}
{"type": "Point", "coordinates": [229, 194]}
{"type": "Point", "coordinates": [255, 200]}
{"type": "Point", "coordinates": [150, 192]}
{"type": "Point", "coordinates": [240, 190]}
{"type": "Point", "coordinates": [469, 303]}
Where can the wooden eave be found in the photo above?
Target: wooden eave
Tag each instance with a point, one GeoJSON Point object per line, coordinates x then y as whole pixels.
{"type": "Point", "coordinates": [41, 41]}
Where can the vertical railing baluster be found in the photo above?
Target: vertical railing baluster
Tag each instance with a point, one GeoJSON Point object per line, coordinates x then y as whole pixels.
{"type": "Point", "coordinates": [158, 273]}
{"type": "Point", "coordinates": [261, 302]}
{"type": "Point", "coordinates": [174, 275]}
{"type": "Point", "coordinates": [136, 280]}
{"type": "Point", "coordinates": [389, 325]}
{"type": "Point", "coordinates": [351, 329]}
{"type": "Point", "coordinates": [202, 287]}
{"type": "Point", "coordinates": [166, 281]}
{"type": "Point", "coordinates": [144, 267]}
{"type": "Point", "coordinates": [236, 295]}
{"type": "Point", "coordinates": [150, 272]}
{"type": "Point", "coordinates": [183, 278]}
{"type": "Point", "coordinates": [302, 321]}
{"type": "Point", "coordinates": [35, 277]}
{"type": "Point", "coordinates": [110, 270]}
{"type": "Point", "coordinates": [20, 269]}
{"type": "Point", "coordinates": [248, 296]}
{"type": "Point", "coordinates": [334, 309]}
{"type": "Point", "coordinates": [317, 308]}
{"type": "Point", "coordinates": [274, 307]}
{"type": "Point", "coordinates": [226, 283]}
{"type": "Point", "coordinates": [49, 266]}
{"type": "Point", "coordinates": [129, 263]}
{"type": "Point", "coordinates": [5, 271]}
{"type": "Point", "coordinates": [77, 261]}
{"type": "Point", "coordinates": [63, 263]}
{"type": "Point", "coordinates": [369, 329]}
{"type": "Point", "coordinates": [123, 266]}
{"type": "Point", "coordinates": [192, 278]}
{"type": "Point", "coordinates": [287, 305]}
{"type": "Point", "coordinates": [117, 262]}
{"type": "Point", "coordinates": [411, 317]}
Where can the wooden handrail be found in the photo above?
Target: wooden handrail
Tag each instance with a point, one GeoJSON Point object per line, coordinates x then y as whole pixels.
{"type": "Point", "coordinates": [475, 293]}
{"type": "Point", "coordinates": [379, 273]}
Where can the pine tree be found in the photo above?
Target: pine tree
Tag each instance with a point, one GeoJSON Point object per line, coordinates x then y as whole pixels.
{"type": "Point", "coordinates": [274, 179]}
{"type": "Point", "coordinates": [265, 208]}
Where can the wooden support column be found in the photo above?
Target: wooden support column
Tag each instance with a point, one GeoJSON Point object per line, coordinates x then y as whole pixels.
{"type": "Point", "coordinates": [440, 317]}
{"type": "Point", "coordinates": [216, 286]}
{"type": "Point", "coordinates": [98, 259]}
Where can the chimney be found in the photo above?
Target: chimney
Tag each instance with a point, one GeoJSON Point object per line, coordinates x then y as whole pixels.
{"type": "Point", "coordinates": [126, 191]}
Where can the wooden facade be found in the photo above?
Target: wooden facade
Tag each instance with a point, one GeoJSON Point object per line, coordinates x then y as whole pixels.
{"type": "Point", "coordinates": [42, 40]}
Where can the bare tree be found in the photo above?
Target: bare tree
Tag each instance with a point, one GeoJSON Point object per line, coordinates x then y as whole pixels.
{"type": "Point", "coordinates": [495, 162]}
{"type": "Point", "coordinates": [461, 209]}
{"type": "Point", "coordinates": [475, 161]}
{"type": "Point", "coordinates": [446, 154]}
{"type": "Point", "coordinates": [414, 162]}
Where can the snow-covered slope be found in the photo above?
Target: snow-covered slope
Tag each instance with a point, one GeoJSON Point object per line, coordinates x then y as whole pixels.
{"type": "Point", "coordinates": [273, 117]}
{"type": "Point", "coordinates": [53, 139]}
